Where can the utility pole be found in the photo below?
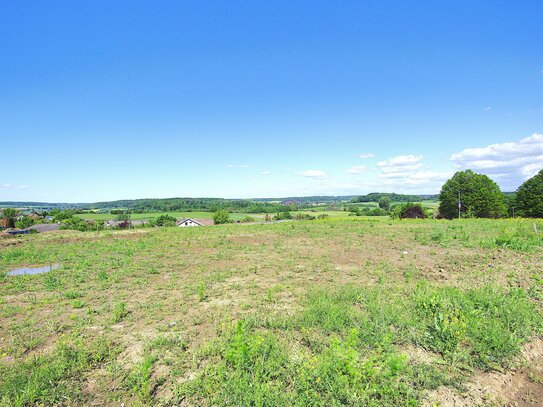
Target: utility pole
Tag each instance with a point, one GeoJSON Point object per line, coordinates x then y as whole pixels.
{"type": "Point", "coordinates": [459, 205]}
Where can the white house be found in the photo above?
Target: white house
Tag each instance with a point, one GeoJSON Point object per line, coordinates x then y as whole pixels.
{"type": "Point", "coordinates": [183, 223]}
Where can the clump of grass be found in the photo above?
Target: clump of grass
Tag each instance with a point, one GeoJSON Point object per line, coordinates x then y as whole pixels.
{"type": "Point", "coordinates": [72, 295]}
{"type": "Point", "coordinates": [52, 282]}
{"type": "Point", "coordinates": [102, 275]}
{"type": "Point", "coordinates": [139, 380]}
{"type": "Point", "coordinates": [167, 342]}
{"type": "Point", "coordinates": [119, 312]}
{"type": "Point", "coordinates": [201, 288]}
{"type": "Point", "coordinates": [78, 304]}
{"type": "Point", "coordinates": [484, 326]}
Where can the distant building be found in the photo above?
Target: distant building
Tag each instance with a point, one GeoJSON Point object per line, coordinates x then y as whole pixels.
{"type": "Point", "coordinates": [188, 222]}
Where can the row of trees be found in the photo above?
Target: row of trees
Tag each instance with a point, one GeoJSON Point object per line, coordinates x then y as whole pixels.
{"type": "Point", "coordinates": [468, 194]}
{"type": "Point", "coordinates": [193, 205]}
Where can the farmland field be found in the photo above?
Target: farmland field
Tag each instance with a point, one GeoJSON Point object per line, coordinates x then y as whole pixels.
{"type": "Point", "coordinates": [344, 311]}
{"type": "Point", "coordinates": [177, 215]}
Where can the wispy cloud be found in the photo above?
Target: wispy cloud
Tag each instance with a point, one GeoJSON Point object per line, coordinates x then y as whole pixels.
{"type": "Point", "coordinates": [8, 187]}
{"type": "Point", "coordinates": [357, 169]}
{"type": "Point", "coordinates": [488, 109]}
{"type": "Point", "coordinates": [508, 163]}
{"type": "Point", "coordinates": [366, 155]}
{"type": "Point", "coordinates": [264, 173]}
{"type": "Point", "coordinates": [237, 166]}
{"type": "Point", "coordinates": [315, 174]}
{"type": "Point", "coordinates": [401, 163]}
{"type": "Point", "coordinates": [408, 173]}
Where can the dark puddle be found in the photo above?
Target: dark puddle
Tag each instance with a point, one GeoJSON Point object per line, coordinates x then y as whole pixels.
{"type": "Point", "coordinates": [32, 270]}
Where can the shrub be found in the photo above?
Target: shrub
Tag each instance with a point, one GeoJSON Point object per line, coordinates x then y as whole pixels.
{"type": "Point", "coordinates": [283, 215]}
{"type": "Point", "coordinates": [221, 217]}
{"type": "Point", "coordinates": [409, 211]}
{"type": "Point", "coordinates": [24, 222]}
{"type": "Point", "coordinates": [385, 202]}
{"type": "Point", "coordinates": [165, 220]}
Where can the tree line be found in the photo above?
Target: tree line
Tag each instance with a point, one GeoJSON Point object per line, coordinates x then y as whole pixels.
{"type": "Point", "coordinates": [376, 197]}
{"type": "Point", "coordinates": [468, 194]}
{"type": "Point", "coordinates": [194, 205]}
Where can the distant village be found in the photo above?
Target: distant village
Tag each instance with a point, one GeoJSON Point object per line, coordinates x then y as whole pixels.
{"type": "Point", "coordinates": [19, 221]}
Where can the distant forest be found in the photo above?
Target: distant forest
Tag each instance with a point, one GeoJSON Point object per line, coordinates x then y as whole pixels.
{"type": "Point", "coordinates": [193, 205]}
{"type": "Point", "coordinates": [263, 205]}
{"type": "Point", "coordinates": [375, 196]}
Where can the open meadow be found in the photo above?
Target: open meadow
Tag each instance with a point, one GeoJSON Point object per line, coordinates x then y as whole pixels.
{"type": "Point", "coordinates": [178, 215]}
{"type": "Point", "coordinates": [343, 311]}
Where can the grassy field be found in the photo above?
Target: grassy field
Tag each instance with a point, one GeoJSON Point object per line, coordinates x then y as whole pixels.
{"type": "Point", "coordinates": [337, 312]}
{"type": "Point", "coordinates": [178, 215]}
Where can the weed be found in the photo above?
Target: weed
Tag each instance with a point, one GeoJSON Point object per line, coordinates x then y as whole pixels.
{"type": "Point", "coordinates": [119, 312]}
{"type": "Point", "coordinates": [139, 380]}
{"type": "Point", "coordinates": [202, 295]}
{"type": "Point", "coordinates": [78, 304]}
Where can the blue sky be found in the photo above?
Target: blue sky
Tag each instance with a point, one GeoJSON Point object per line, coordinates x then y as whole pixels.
{"type": "Point", "coordinates": [105, 100]}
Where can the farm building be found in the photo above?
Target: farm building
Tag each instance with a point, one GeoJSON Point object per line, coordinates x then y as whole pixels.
{"type": "Point", "coordinates": [188, 222]}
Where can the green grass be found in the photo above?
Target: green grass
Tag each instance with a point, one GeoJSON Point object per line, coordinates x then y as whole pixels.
{"type": "Point", "coordinates": [177, 215]}
{"type": "Point", "coordinates": [322, 312]}
{"type": "Point", "coordinates": [54, 378]}
{"type": "Point", "coordinates": [350, 352]}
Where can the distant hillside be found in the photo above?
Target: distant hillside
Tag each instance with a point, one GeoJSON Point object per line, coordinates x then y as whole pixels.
{"type": "Point", "coordinates": [40, 205]}
{"type": "Point", "coordinates": [255, 205]}
{"type": "Point", "coordinates": [375, 196]}
{"type": "Point", "coordinates": [308, 199]}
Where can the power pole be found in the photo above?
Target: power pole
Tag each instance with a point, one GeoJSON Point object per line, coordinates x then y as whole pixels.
{"type": "Point", "coordinates": [459, 205]}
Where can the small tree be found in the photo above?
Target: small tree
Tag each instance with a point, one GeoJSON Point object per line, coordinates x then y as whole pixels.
{"type": "Point", "coordinates": [529, 199]}
{"type": "Point", "coordinates": [165, 220]}
{"type": "Point", "coordinates": [123, 217]}
{"type": "Point", "coordinates": [283, 215]}
{"type": "Point", "coordinates": [9, 214]}
{"type": "Point", "coordinates": [385, 202]}
{"type": "Point", "coordinates": [25, 222]}
{"type": "Point", "coordinates": [221, 217]}
{"type": "Point", "coordinates": [479, 196]}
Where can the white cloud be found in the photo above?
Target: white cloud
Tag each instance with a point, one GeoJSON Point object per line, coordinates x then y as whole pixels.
{"type": "Point", "coordinates": [237, 166]}
{"type": "Point", "coordinates": [315, 174]}
{"type": "Point", "coordinates": [357, 169]}
{"type": "Point", "coordinates": [510, 163]}
{"type": "Point", "coordinates": [408, 174]}
{"type": "Point", "coordinates": [415, 178]}
{"type": "Point", "coordinates": [265, 173]}
{"type": "Point", "coordinates": [11, 187]}
{"type": "Point", "coordinates": [401, 163]}
{"type": "Point", "coordinates": [366, 155]}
